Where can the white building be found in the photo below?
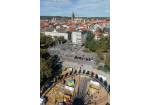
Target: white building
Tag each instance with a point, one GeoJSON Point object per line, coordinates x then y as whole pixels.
{"type": "Point", "coordinates": [78, 37]}
{"type": "Point", "coordinates": [55, 32]}
{"type": "Point", "coordinates": [106, 32]}
{"type": "Point", "coordinates": [78, 19]}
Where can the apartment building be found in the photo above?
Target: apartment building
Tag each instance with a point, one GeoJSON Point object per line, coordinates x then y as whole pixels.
{"type": "Point", "coordinates": [78, 37]}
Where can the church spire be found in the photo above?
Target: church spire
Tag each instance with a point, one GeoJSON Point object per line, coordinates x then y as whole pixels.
{"type": "Point", "coordinates": [72, 18]}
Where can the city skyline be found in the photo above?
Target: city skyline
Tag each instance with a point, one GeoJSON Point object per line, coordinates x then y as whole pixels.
{"type": "Point", "coordinates": [83, 8]}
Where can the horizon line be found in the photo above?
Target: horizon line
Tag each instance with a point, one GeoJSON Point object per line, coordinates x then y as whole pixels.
{"type": "Point", "coordinates": [85, 16]}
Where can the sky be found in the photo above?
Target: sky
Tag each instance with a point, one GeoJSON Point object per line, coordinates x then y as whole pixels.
{"type": "Point", "coordinates": [81, 8]}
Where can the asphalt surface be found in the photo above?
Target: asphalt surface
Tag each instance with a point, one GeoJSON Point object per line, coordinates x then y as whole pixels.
{"type": "Point", "coordinates": [78, 61]}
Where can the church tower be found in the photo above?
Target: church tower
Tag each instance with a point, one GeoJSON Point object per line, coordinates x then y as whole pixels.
{"type": "Point", "coordinates": [72, 18]}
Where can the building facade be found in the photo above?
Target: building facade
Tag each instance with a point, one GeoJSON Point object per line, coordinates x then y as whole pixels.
{"type": "Point", "coordinates": [78, 37]}
{"type": "Point", "coordinates": [78, 19]}
{"type": "Point", "coordinates": [55, 32]}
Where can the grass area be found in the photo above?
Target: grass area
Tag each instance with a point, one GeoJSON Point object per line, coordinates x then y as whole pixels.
{"type": "Point", "coordinates": [105, 69]}
{"type": "Point", "coordinates": [102, 61]}
{"type": "Point", "coordinates": [87, 50]}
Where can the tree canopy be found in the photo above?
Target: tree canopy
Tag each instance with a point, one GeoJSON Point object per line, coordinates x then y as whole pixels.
{"type": "Point", "coordinates": [103, 44]}
{"type": "Point", "coordinates": [59, 39]}
{"type": "Point", "coordinates": [46, 60]}
{"type": "Point", "coordinates": [100, 54]}
{"type": "Point", "coordinates": [107, 61]}
{"type": "Point", "coordinates": [46, 41]}
{"type": "Point", "coordinates": [90, 37]}
{"type": "Point", "coordinates": [104, 28]}
{"type": "Point", "coordinates": [46, 65]}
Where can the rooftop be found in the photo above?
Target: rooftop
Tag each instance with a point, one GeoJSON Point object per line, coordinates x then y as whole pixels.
{"type": "Point", "coordinates": [78, 30]}
{"type": "Point", "coordinates": [60, 31]}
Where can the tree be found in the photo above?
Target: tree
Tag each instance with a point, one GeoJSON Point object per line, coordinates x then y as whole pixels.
{"type": "Point", "coordinates": [45, 69]}
{"type": "Point", "coordinates": [41, 35]}
{"type": "Point", "coordinates": [100, 30]}
{"type": "Point", "coordinates": [92, 46]}
{"type": "Point", "coordinates": [103, 42]}
{"type": "Point", "coordinates": [56, 39]}
{"type": "Point", "coordinates": [100, 54]}
{"type": "Point", "coordinates": [43, 40]}
{"type": "Point", "coordinates": [100, 35]}
{"type": "Point", "coordinates": [46, 65]}
{"type": "Point", "coordinates": [97, 60]}
{"type": "Point", "coordinates": [90, 37]}
{"type": "Point", "coordinates": [50, 23]}
{"type": "Point", "coordinates": [49, 41]}
{"type": "Point", "coordinates": [108, 19]}
{"type": "Point", "coordinates": [107, 61]}
{"type": "Point", "coordinates": [108, 41]}
{"type": "Point", "coordinates": [86, 44]}
{"type": "Point", "coordinates": [44, 53]}
{"type": "Point", "coordinates": [104, 28]}
{"type": "Point", "coordinates": [62, 39]}
{"type": "Point", "coordinates": [105, 48]}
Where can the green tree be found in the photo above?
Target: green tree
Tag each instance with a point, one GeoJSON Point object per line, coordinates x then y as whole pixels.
{"type": "Point", "coordinates": [108, 41]}
{"type": "Point", "coordinates": [56, 39]}
{"type": "Point", "coordinates": [100, 30]}
{"type": "Point", "coordinates": [90, 37]}
{"type": "Point", "coordinates": [44, 53]}
{"type": "Point", "coordinates": [92, 46]}
{"type": "Point", "coordinates": [41, 35]}
{"type": "Point", "coordinates": [105, 48]}
{"type": "Point", "coordinates": [49, 41]}
{"type": "Point", "coordinates": [107, 61]}
{"type": "Point", "coordinates": [103, 42]}
{"type": "Point", "coordinates": [50, 23]}
{"type": "Point", "coordinates": [86, 44]}
{"type": "Point", "coordinates": [62, 39]}
{"type": "Point", "coordinates": [46, 69]}
{"type": "Point", "coordinates": [43, 40]}
{"type": "Point", "coordinates": [97, 60]}
{"type": "Point", "coordinates": [100, 54]}
{"type": "Point", "coordinates": [46, 65]}
{"type": "Point", "coordinates": [104, 28]}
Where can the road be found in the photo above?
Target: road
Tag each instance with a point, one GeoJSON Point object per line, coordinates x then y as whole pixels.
{"type": "Point", "coordinates": [78, 53]}
{"type": "Point", "coordinates": [71, 59]}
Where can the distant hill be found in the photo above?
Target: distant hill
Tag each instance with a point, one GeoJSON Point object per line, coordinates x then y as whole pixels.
{"type": "Point", "coordinates": [51, 17]}
{"type": "Point", "coordinates": [68, 18]}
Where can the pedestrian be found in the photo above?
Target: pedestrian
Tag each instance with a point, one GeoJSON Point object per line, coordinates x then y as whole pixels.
{"type": "Point", "coordinates": [100, 97]}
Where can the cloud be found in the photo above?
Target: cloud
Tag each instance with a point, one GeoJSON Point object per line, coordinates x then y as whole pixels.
{"type": "Point", "coordinates": [80, 7]}
{"type": "Point", "coordinates": [106, 11]}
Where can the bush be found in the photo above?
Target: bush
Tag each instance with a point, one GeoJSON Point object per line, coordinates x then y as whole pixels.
{"type": "Point", "coordinates": [100, 68]}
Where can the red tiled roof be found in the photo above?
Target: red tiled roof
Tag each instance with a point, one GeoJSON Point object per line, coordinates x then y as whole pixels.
{"type": "Point", "coordinates": [87, 29]}
{"type": "Point", "coordinates": [78, 18]}
{"type": "Point", "coordinates": [96, 33]}
{"type": "Point", "coordinates": [70, 29]}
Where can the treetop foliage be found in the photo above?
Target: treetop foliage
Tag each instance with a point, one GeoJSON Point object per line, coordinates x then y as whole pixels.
{"type": "Point", "coordinates": [46, 60]}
